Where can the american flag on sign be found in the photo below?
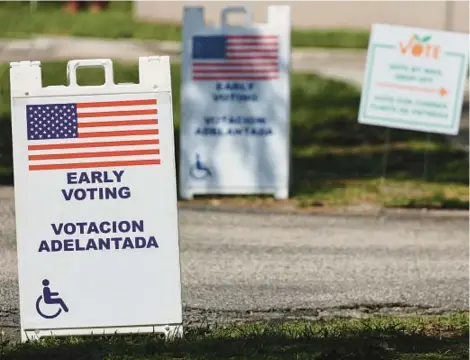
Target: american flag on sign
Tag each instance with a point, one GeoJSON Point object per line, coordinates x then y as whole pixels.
{"type": "Point", "coordinates": [230, 57]}
{"type": "Point", "coordinates": [92, 134]}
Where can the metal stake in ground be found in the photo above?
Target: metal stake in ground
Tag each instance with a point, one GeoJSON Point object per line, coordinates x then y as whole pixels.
{"type": "Point", "coordinates": [449, 11]}
{"type": "Point", "coordinates": [426, 156]}
{"type": "Point", "coordinates": [385, 158]}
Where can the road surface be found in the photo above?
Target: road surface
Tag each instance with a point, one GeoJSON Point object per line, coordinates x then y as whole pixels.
{"type": "Point", "coordinates": [238, 265]}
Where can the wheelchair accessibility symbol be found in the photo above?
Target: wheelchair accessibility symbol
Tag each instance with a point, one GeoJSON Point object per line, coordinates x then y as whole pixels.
{"type": "Point", "coordinates": [50, 298]}
{"type": "Point", "coordinates": [199, 170]}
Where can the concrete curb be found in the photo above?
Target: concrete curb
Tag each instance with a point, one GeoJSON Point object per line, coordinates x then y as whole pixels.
{"type": "Point", "coordinates": [6, 192]}
{"type": "Point", "coordinates": [372, 213]}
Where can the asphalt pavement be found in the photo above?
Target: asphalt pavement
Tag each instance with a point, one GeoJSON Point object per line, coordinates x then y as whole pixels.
{"type": "Point", "coordinates": [246, 266]}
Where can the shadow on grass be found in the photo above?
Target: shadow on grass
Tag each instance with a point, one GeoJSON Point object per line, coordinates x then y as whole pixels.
{"type": "Point", "coordinates": [437, 201]}
{"type": "Point", "coordinates": [330, 148]}
{"type": "Point", "coordinates": [6, 156]}
{"type": "Point", "coordinates": [329, 343]}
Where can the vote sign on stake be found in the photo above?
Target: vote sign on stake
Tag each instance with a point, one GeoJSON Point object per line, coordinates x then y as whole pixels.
{"type": "Point", "coordinates": [95, 193]}
{"type": "Point", "coordinates": [414, 79]}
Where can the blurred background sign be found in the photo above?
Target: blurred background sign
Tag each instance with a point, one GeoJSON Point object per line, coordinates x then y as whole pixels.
{"type": "Point", "coordinates": [235, 97]}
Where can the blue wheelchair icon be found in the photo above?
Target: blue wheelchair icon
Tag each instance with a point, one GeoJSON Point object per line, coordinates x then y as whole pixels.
{"type": "Point", "coordinates": [50, 298]}
{"type": "Point", "coordinates": [199, 170]}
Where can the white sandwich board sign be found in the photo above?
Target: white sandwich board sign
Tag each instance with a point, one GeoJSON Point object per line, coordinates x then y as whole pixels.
{"type": "Point", "coordinates": [414, 79]}
{"type": "Point", "coordinates": [96, 202]}
{"type": "Point", "coordinates": [235, 100]}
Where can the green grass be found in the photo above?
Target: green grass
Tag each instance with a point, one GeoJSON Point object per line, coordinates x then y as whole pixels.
{"type": "Point", "coordinates": [16, 20]}
{"type": "Point", "coordinates": [381, 338]}
{"type": "Point", "coordinates": [335, 160]}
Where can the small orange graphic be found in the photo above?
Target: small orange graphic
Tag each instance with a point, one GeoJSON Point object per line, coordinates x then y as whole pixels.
{"type": "Point", "coordinates": [443, 92]}
{"type": "Point", "coordinates": [420, 47]}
